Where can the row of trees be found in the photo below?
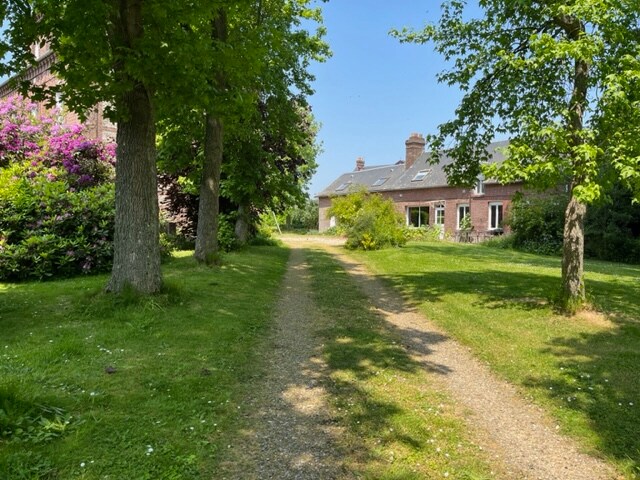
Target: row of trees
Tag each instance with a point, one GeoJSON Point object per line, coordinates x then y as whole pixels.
{"type": "Point", "coordinates": [201, 74]}
{"type": "Point", "coordinates": [561, 78]}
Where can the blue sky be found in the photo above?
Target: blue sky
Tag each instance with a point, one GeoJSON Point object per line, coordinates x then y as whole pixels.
{"type": "Point", "coordinates": [374, 92]}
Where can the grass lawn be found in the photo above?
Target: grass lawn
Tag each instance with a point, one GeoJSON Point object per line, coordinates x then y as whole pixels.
{"type": "Point", "coordinates": [96, 386]}
{"type": "Point", "coordinates": [397, 425]}
{"type": "Point", "coordinates": [584, 370]}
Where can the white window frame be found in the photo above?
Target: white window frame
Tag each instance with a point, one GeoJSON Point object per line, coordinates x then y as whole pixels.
{"type": "Point", "coordinates": [497, 224]}
{"type": "Point", "coordinates": [479, 187]}
{"type": "Point", "coordinates": [437, 210]}
{"type": "Point", "coordinates": [423, 215]}
{"type": "Point", "coordinates": [460, 217]}
{"type": "Point", "coordinates": [421, 175]}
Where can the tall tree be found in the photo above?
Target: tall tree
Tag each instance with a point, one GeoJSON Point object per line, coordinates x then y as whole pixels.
{"type": "Point", "coordinates": [260, 80]}
{"type": "Point", "coordinates": [547, 74]}
{"type": "Point", "coordinates": [126, 52]}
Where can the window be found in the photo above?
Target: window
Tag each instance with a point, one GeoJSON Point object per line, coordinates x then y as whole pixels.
{"type": "Point", "coordinates": [463, 212]}
{"type": "Point", "coordinates": [418, 216]}
{"type": "Point", "coordinates": [343, 186]}
{"type": "Point", "coordinates": [495, 216]}
{"type": "Point", "coordinates": [421, 175]}
{"type": "Point", "coordinates": [380, 181]}
{"type": "Point", "coordinates": [439, 214]}
{"type": "Point", "coordinates": [479, 188]}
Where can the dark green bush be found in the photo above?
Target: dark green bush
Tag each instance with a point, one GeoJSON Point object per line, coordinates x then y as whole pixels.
{"type": "Point", "coordinates": [368, 221]}
{"type": "Point", "coordinates": [612, 228]}
{"type": "Point", "coordinates": [537, 223]}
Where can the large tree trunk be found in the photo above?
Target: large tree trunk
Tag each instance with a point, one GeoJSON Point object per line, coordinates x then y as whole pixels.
{"type": "Point", "coordinates": [136, 247]}
{"type": "Point", "coordinates": [209, 205]}
{"type": "Point", "coordinates": [573, 291]}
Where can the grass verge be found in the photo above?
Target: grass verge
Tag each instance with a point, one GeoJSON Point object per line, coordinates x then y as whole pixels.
{"type": "Point", "coordinates": [397, 425]}
{"type": "Point", "coordinates": [100, 386]}
{"type": "Point", "coordinates": [585, 370]}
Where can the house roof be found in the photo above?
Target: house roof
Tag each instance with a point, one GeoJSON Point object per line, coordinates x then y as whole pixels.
{"type": "Point", "coordinates": [394, 177]}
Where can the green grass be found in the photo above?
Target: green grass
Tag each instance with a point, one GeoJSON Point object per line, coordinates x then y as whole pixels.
{"type": "Point", "coordinates": [397, 425]}
{"type": "Point", "coordinates": [182, 359]}
{"type": "Point", "coordinates": [585, 370]}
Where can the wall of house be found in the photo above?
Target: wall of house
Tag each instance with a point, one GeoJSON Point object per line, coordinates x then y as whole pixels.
{"type": "Point", "coordinates": [451, 198]}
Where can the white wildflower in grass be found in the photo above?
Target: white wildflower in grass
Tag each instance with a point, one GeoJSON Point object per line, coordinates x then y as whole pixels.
{"type": "Point", "coordinates": [82, 464]}
{"type": "Point", "coordinates": [149, 449]}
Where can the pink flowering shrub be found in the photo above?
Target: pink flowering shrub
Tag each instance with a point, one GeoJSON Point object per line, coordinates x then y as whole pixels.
{"type": "Point", "coordinates": [56, 197]}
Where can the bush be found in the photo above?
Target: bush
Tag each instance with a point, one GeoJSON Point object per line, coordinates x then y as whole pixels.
{"type": "Point", "coordinates": [537, 223]}
{"type": "Point", "coordinates": [56, 198]}
{"type": "Point", "coordinates": [368, 221]}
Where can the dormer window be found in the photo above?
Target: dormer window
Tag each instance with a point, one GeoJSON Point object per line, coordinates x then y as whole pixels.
{"type": "Point", "coordinates": [380, 182]}
{"type": "Point", "coordinates": [421, 175]}
{"type": "Point", "coordinates": [479, 188]}
{"type": "Point", "coordinates": [343, 186]}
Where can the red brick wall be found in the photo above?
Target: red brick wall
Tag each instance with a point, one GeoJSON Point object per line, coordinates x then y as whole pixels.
{"type": "Point", "coordinates": [96, 126]}
{"type": "Point", "coordinates": [450, 197]}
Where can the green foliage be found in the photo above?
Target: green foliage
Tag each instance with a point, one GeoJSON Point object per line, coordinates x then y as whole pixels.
{"type": "Point", "coordinates": [560, 79]}
{"type": "Point", "coordinates": [51, 230]}
{"type": "Point", "coordinates": [537, 223]}
{"type": "Point", "coordinates": [303, 218]}
{"type": "Point", "coordinates": [424, 233]}
{"type": "Point", "coordinates": [30, 422]}
{"type": "Point", "coordinates": [612, 228]}
{"type": "Point", "coordinates": [368, 220]}
{"type": "Point", "coordinates": [226, 233]}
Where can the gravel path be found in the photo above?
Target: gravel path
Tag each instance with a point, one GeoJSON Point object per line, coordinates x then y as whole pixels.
{"type": "Point", "coordinates": [293, 436]}
{"type": "Point", "coordinates": [519, 435]}
{"type": "Point", "coordinates": [292, 432]}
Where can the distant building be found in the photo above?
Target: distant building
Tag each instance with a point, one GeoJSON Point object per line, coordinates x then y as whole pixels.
{"type": "Point", "coordinates": [422, 194]}
{"type": "Point", "coordinates": [96, 125]}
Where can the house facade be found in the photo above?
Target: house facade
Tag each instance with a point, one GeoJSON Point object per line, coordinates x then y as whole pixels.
{"type": "Point", "coordinates": [421, 193]}
{"type": "Point", "coordinates": [96, 126]}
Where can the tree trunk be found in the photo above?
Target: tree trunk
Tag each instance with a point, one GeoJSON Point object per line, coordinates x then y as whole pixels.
{"type": "Point", "coordinates": [573, 290]}
{"type": "Point", "coordinates": [209, 205]}
{"type": "Point", "coordinates": [242, 225]}
{"type": "Point", "coordinates": [136, 246]}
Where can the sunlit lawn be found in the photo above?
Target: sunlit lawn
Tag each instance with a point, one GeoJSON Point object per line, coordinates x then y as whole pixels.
{"type": "Point", "coordinates": [585, 370]}
{"type": "Point", "coordinates": [94, 386]}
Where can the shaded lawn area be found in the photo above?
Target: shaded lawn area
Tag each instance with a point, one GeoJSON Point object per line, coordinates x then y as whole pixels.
{"type": "Point", "coordinates": [180, 363]}
{"type": "Point", "coordinates": [585, 370]}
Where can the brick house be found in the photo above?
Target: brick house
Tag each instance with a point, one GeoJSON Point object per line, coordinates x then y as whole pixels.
{"type": "Point", "coordinates": [96, 126]}
{"type": "Point", "coordinates": [422, 194]}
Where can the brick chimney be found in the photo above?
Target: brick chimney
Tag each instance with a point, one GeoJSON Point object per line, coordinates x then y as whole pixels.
{"type": "Point", "coordinates": [359, 164]}
{"type": "Point", "coordinates": [415, 147]}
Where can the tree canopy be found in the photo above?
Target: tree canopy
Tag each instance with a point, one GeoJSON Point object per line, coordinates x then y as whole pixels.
{"type": "Point", "coordinates": [560, 78]}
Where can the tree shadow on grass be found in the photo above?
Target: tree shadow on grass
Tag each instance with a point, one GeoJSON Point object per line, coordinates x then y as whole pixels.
{"type": "Point", "coordinates": [599, 373]}
{"type": "Point", "coordinates": [600, 378]}
{"type": "Point", "coordinates": [362, 352]}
